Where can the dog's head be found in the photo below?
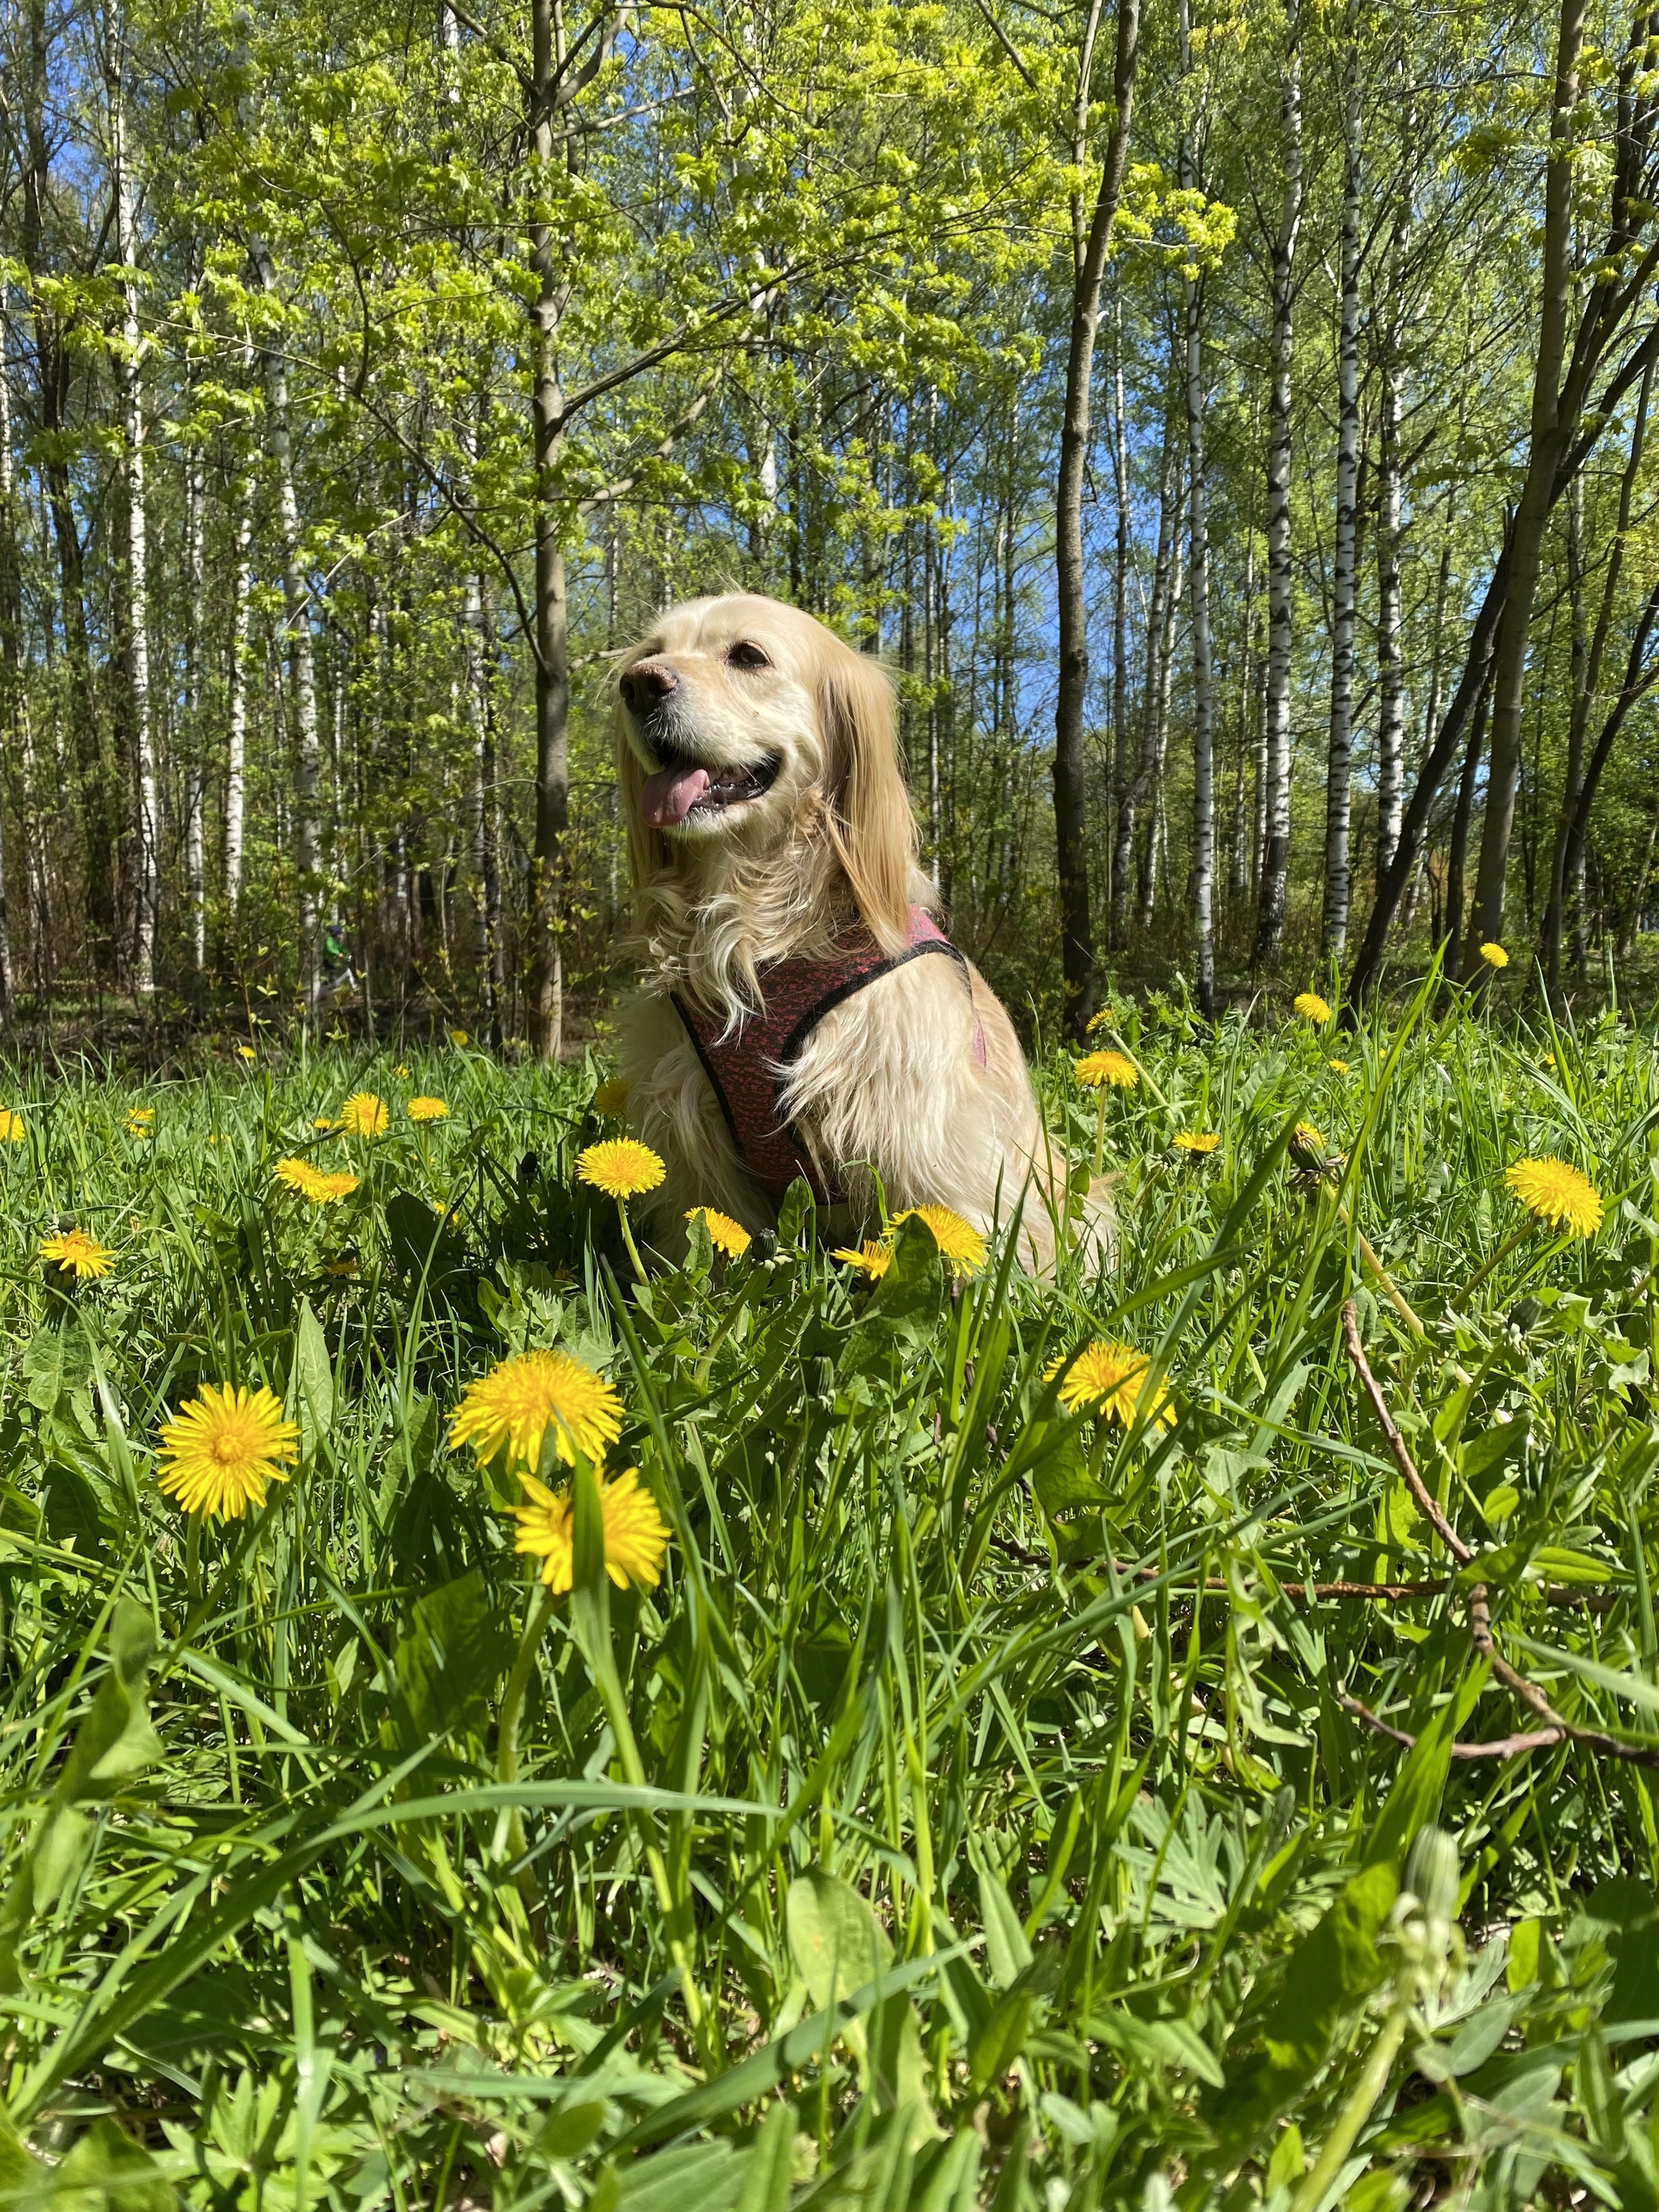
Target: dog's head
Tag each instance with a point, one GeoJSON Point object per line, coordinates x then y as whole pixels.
{"type": "Point", "coordinates": [742, 724]}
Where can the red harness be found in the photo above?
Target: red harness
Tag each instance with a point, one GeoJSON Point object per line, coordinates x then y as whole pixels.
{"type": "Point", "coordinates": [749, 1066]}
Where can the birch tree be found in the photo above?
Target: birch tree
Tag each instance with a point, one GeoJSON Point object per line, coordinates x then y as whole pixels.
{"type": "Point", "coordinates": [1276, 858]}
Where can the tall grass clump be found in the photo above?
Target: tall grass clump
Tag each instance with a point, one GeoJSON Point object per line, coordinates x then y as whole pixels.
{"type": "Point", "coordinates": [489, 1722]}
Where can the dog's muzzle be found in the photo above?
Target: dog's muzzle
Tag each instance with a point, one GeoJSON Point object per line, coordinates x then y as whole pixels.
{"type": "Point", "coordinates": [684, 790]}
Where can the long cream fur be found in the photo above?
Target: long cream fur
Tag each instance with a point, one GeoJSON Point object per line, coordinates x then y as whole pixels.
{"type": "Point", "coordinates": [888, 1085]}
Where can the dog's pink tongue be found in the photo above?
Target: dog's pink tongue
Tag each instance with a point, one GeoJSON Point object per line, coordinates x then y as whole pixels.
{"type": "Point", "coordinates": [669, 796]}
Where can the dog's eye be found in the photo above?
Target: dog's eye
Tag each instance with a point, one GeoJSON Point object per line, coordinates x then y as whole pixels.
{"type": "Point", "coordinates": [742, 654]}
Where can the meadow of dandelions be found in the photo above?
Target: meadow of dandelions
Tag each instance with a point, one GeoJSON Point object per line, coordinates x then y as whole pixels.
{"type": "Point", "coordinates": [500, 1716]}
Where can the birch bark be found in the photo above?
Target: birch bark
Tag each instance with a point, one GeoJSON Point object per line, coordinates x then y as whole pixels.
{"type": "Point", "coordinates": [1276, 858]}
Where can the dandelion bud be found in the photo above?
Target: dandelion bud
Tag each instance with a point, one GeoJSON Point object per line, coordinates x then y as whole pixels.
{"type": "Point", "coordinates": [1432, 1873]}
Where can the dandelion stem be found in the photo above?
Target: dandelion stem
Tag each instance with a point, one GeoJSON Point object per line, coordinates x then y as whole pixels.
{"type": "Point", "coordinates": [1361, 2103]}
{"type": "Point", "coordinates": [1496, 1259]}
{"type": "Point", "coordinates": [628, 1239]}
{"type": "Point", "coordinates": [1100, 1129]}
{"type": "Point", "coordinates": [1386, 1283]}
{"type": "Point", "coordinates": [507, 1727]}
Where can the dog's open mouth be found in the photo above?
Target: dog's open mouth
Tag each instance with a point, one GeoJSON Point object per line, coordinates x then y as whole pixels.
{"type": "Point", "coordinates": [683, 790]}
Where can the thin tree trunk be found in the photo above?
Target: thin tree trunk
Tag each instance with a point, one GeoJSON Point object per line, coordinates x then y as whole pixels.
{"type": "Point", "coordinates": [130, 382]}
{"type": "Point", "coordinates": [241, 655]}
{"type": "Point", "coordinates": [1199, 560]}
{"type": "Point", "coordinates": [546, 997]}
{"type": "Point", "coordinates": [1132, 797]}
{"type": "Point", "coordinates": [1242, 860]}
{"type": "Point", "coordinates": [1157, 841]}
{"type": "Point", "coordinates": [14, 697]}
{"type": "Point", "coordinates": [296, 597]}
{"type": "Point", "coordinates": [1276, 862]}
{"type": "Point", "coordinates": [92, 768]}
{"type": "Point", "coordinates": [1550, 435]}
{"type": "Point", "coordinates": [1390, 674]}
{"type": "Point", "coordinates": [1123, 491]}
{"type": "Point", "coordinates": [1567, 856]}
{"type": "Point", "coordinates": [1090, 249]}
{"type": "Point", "coordinates": [1458, 859]}
{"type": "Point", "coordinates": [1340, 760]}
{"type": "Point", "coordinates": [195, 765]}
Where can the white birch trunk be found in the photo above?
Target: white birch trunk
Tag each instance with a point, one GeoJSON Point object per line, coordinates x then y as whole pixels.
{"type": "Point", "coordinates": [1340, 761]}
{"type": "Point", "coordinates": [130, 382]}
{"type": "Point", "coordinates": [297, 600]}
{"type": "Point", "coordinates": [195, 770]}
{"type": "Point", "coordinates": [241, 652]}
{"type": "Point", "coordinates": [1390, 674]}
{"type": "Point", "coordinates": [1276, 857]}
{"type": "Point", "coordinates": [1198, 559]}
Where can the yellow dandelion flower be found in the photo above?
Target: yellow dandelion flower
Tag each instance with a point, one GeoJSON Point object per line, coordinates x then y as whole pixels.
{"type": "Point", "coordinates": [221, 1449]}
{"type": "Point", "coordinates": [363, 1114]}
{"type": "Point", "coordinates": [514, 1406]}
{"type": "Point", "coordinates": [321, 1122]}
{"type": "Point", "coordinates": [1115, 1069]}
{"type": "Point", "coordinates": [247, 1052]}
{"type": "Point", "coordinates": [960, 1244]}
{"type": "Point", "coordinates": [869, 1259]}
{"type": "Point", "coordinates": [14, 1130]}
{"type": "Point", "coordinates": [1312, 1008]}
{"type": "Point", "coordinates": [1194, 1140]}
{"type": "Point", "coordinates": [143, 1115]}
{"type": "Point", "coordinates": [635, 1534]}
{"type": "Point", "coordinates": [1337, 1066]}
{"type": "Point", "coordinates": [344, 1268]}
{"type": "Point", "coordinates": [1494, 956]}
{"type": "Point", "coordinates": [1556, 1193]}
{"type": "Point", "coordinates": [427, 1109]}
{"type": "Point", "coordinates": [320, 1187]}
{"type": "Point", "coordinates": [1549, 1061]}
{"type": "Point", "coordinates": [622, 1167]}
{"type": "Point", "coordinates": [610, 1098]}
{"type": "Point", "coordinates": [459, 1036]}
{"type": "Point", "coordinates": [1109, 1380]}
{"type": "Point", "coordinates": [76, 1254]}
{"type": "Point", "coordinates": [401, 1070]}
{"type": "Point", "coordinates": [1098, 1022]}
{"type": "Point", "coordinates": [724, 1234]}
{"type": "Point", "coordinates": [297, 1175]}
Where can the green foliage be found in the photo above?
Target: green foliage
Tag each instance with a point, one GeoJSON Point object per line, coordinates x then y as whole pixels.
{"type": "Point", "coordinates": [971, 1815]}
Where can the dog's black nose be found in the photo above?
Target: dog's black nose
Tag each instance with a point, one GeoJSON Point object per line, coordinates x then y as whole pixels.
{"type": "Point", "coordinates": [647, 684]}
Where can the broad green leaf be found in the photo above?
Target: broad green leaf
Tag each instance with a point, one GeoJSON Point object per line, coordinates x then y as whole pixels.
{"type": "Point", "coordinates": [453, 1659]}
{"type": "Point", "coordinates": [835, 1939]}
{"type": "Point", "coordinates": [314, 1373]}
{"type": "Point", "coordinates": [1007, 1953]}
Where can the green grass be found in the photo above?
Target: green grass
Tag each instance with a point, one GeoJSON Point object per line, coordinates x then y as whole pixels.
{"type": "Point", "coordinates": [969, 1816]}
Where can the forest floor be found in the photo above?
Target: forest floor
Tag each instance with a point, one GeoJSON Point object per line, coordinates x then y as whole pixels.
{"type": "Point", "coordinates": [1186, 1732]}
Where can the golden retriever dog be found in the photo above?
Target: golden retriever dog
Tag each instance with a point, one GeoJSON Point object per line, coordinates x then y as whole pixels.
{"type": "Point", "coordinates": [801, 1014]}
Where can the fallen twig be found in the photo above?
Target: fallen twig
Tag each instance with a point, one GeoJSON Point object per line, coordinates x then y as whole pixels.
{"type": "Point", "coordinates": [1557, 1728]}
{"type": "Point", "coordinates": [1402, 1458]}
{"type": "Point", "coordinates": [1508, 1746]}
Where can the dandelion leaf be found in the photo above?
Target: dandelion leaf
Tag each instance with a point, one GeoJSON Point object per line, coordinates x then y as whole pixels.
{"type": "Point", "coordinates": [57, 1363]}
{"type": "Point", "coordinates": [107, 2172]}
{"type": "Point", "coordinates": [1331, 1971]}
{"type": "Point", "coordinates": [1622, 1916]}
{"type": "Point", "coordinates": [771, 2163]}
{"type": "Point", "coordinates": [797, 1216]}
{"type": "Point", "coordinates": [449, 1664]}
{"type": "Point", "coordinates": [836, 1940]}
{"type": "Point", "coordinates": [313, 1373]}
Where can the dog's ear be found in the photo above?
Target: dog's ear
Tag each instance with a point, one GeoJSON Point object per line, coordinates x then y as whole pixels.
{"type": "Point", "coordinates": [870, 822]}
{"type": "Point", "coordinates": [647, 849]}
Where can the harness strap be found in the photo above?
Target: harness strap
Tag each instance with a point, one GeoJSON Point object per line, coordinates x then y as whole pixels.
{"type": "Point", "coordinates": [748, 1067]}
